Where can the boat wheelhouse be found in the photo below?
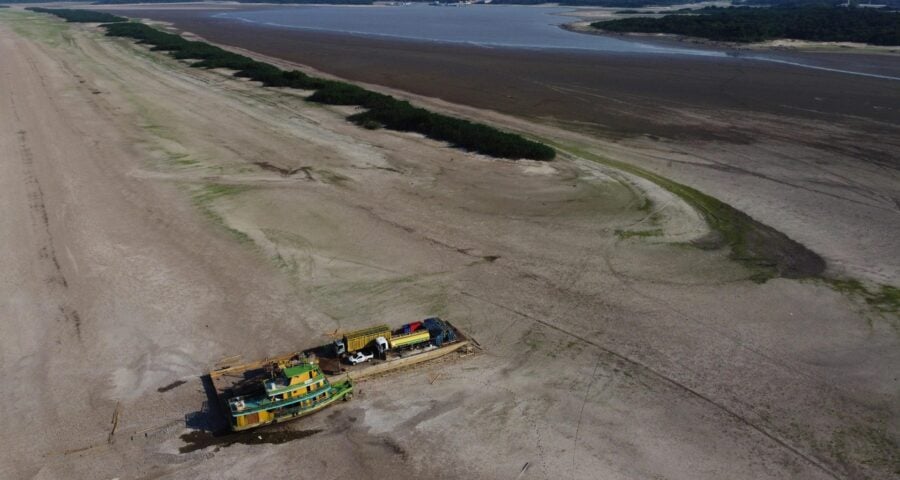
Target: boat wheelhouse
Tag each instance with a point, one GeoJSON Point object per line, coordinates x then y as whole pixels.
{"type": "Point", "coordinates": [291, 391]}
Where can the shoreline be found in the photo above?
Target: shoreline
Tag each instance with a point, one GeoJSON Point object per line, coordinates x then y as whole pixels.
{"type": "Point", "coordinates": [587, 15]}
{"type": "Point", "coordinates": [775, 45]}
{"type": "Point", "coordinates": [734, 49]}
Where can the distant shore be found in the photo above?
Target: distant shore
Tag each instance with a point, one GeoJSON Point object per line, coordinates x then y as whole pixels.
{"type": "Point", "coordinates": [586, 17]}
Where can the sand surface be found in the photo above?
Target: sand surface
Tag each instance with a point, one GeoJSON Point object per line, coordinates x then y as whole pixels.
{"type": "Point", "coordinates": [148, 235]}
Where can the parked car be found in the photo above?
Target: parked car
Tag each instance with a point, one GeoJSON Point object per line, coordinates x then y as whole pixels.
{"type": "Point", "coordinates": [360, 357]}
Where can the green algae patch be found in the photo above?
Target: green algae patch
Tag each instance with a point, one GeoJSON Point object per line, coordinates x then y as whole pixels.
{"type": "Point", "coordinates": [204, 198]}
{"type": "Point", "coordinates": [767, 252]}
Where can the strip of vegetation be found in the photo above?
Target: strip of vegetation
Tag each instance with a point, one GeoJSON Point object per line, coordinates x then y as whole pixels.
{"type": "Point", "coordinates": [744, 24]}
{"type": "Point", "coordinates": [381, 110]}
{"type": "Point", "coordinates": [885, 299]}
{"type": "Point", "coordinates": [211, 56]}
{"type": "Point", "coordinates": [400, 115]}
{"type": "Point", "coordinates": [80, 16]}
{"type": "Point", "coordinates": [820, 3]}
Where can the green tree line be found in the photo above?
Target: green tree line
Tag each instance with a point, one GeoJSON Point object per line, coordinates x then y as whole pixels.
{"type": "Point", "coordinates": [827, 24]}
{"type": "Point", "coordinates": [381, 110]}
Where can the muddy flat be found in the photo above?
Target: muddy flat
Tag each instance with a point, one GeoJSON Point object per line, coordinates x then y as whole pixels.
{"type": "Point", "coordinates": [158, 218]}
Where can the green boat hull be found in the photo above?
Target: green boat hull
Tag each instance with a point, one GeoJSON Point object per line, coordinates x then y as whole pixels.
{"type": "Point", "coordinates": [340, 391]}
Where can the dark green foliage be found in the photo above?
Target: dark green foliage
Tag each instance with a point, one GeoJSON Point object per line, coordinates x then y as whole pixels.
{"type": "Point", "coordinates": [340, 93]}
{"type": "Point", "coordinates": [143, 34]}
{"type": "Point", "coordinates": [80, 16]}
{"type": "Point", "coordinates": [272, 76]}
{"type": "Point", "coordinates": [806, 3]}
{"type": "Point", "coordinates": [758, 24]}
{"type": "Point", "coordinates": [381, 110]}
{"type": "Point", "coordinates": [211, 56]}
{"type": "Point", "coordinates": [224, 59]}
{"type": "Point", "coordinates": [400, 115]}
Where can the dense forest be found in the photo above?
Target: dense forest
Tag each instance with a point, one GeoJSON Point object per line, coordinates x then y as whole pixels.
{"type": "Point", "coordinates": [744, 24]}
{"type": "Point", "coordinates": [806, 3]}
{"type": "Point", "coordinates": [380, 110]}
{"type": "Point", "coordinates": [384, 110]}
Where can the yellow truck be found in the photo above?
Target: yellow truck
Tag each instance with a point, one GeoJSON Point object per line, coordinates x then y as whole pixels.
{"type": "Point", "coordinates": [360, 339]}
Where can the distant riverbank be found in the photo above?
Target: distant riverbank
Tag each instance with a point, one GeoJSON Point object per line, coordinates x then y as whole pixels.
{"type": "Point", "coordinates": [559, 84]}
{"type": "Point", "coordinates": [747, 25]}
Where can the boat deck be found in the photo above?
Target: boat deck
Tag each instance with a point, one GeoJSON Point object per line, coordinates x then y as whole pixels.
{"type": "Point", "coordinates": [231, 378]}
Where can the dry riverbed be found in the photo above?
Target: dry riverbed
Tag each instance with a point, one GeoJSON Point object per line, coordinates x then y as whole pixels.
{"type": "Point", "coordinates": [157, 218]}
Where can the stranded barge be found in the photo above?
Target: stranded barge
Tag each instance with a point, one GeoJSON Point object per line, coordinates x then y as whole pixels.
{"type": "Point", "coordinates": [297, 384]}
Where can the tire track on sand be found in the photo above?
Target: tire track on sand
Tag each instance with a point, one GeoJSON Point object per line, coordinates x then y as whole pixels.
{"type": "Point", "coordinates": [41, 221]}
{"type": "Point", "coordinates": [672, 382]}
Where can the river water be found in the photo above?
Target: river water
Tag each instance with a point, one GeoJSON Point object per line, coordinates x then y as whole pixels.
{"type": "Point", "coordinates": [481, 25]}
{"type": "Point", "coordinates": [509, 26]}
